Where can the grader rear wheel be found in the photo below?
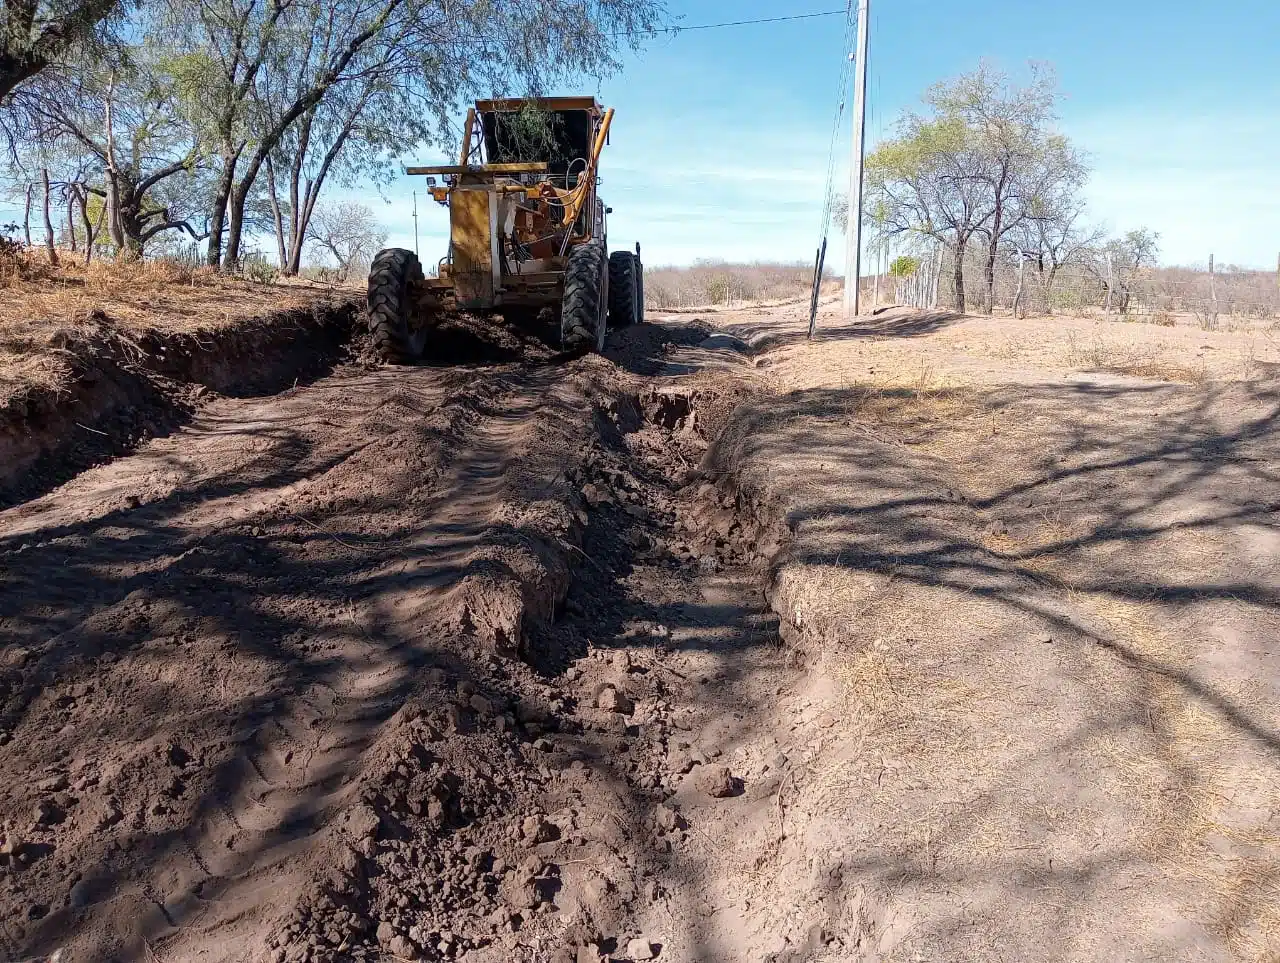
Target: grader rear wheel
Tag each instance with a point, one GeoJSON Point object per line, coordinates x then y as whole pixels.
{"type": "Point", "coordinates": [623, 289]}
{"type": "Point", "coordinates": [395, 322]}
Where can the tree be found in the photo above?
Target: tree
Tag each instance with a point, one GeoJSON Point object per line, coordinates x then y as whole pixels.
{"type": "Point", "coordinates": [925, 182]}
{"type": "Point", "coordinates": [123, 115]}
{"type": "Point", "coordinates": [983, 163]}
{"type": "Point", "coordinates": [37, 33]}
{"type": "Point", "coordinates": [904, 266]}
{"type": "Point", "coordinates": [348, 232]}
{"type": "Point", "coordinates": [1122, 261]}
{"type": "Point", "coordinates": [1057, 235]}
{"type": "Point", "coordinates": [257, 70]}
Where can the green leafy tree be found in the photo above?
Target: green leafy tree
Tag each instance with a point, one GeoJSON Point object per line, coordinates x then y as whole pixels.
{"type": "Point", "coordinates": [982, 162]}
{"type": "Point", "coordinates": [904, 266]}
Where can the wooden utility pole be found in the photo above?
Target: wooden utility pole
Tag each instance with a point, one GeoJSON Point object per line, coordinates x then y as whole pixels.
{"type": "Point", "coordinates": [415, 223]}
{"type": "Point", "coordinates": [853, 256]}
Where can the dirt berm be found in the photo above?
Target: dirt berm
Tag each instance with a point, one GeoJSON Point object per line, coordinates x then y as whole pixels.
{"type": "Point", "coordinates": [108, 386]}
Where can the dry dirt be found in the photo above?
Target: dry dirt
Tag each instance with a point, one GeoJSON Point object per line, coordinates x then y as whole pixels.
{"type": "Point", "coordinates": [932, 639]}
{"type": "Point", "coordinates": [95, 360]}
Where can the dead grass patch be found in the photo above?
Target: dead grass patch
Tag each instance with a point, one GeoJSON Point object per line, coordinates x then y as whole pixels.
{"type": "Point", "coordinates": [1186, 779]}
{"type": "Point", "coordinates": [712, 283]}
{"type": "Point", "coordinates": [1129, 358]}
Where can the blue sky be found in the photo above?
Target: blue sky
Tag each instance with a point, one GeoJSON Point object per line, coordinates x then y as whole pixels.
{"type": "Point", "coordinates": [719, 147]}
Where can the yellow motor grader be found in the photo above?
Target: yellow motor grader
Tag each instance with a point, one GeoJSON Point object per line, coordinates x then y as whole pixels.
{"type": "Point", "coordinates": [527, 232]}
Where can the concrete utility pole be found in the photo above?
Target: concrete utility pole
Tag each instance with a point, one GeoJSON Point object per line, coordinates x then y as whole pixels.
{"type": "Point", "coordinates": [853, 256]}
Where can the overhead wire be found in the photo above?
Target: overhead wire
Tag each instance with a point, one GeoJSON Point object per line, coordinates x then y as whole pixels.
{"type": "Point", "coordinates": [842, 91]}
{"type": "Point", "coordinates": [727, 23]}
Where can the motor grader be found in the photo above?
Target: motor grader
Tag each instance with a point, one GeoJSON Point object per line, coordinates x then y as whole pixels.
{"type": "Point", "coordinates": [527, 233]}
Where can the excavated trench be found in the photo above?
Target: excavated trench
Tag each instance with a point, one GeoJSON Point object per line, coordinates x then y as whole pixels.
{"type": "Point", "coordinates": [470, 662]}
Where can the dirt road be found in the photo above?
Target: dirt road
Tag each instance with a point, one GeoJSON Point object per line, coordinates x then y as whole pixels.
{"type": "Point", "coordinates": [933, 639]}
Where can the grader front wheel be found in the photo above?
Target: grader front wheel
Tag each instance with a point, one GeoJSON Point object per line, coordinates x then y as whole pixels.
{"type": "Point", "coordinates": [584, 310]}
{"type": "Point", "coordinates": [396, 324]}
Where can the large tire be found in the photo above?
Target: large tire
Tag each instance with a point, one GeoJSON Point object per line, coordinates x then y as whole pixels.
{"type": "Point", "coordinates": [583, 313]}
{"type": "Point", "coordinates": [623, 295]}
{"type": "Point", "coordinates": [395, 321]}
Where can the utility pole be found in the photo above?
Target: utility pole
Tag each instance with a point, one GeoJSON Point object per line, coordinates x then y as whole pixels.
{"type": "Point", "coordinates": [853, 256]}
{"type": "Point", "coordinates": [415, 223]}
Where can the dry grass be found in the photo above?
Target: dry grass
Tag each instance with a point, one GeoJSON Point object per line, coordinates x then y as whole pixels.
{"type": "Point", "coordinates": [1130, 358]}
{"type": "Point", "coordinates": [1189, 782]}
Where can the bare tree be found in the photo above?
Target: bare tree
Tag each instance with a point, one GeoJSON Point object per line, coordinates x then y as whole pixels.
{"type": "Point", "coordinates": [48, 220]}
{"type": "Point", "coordinates": [1055, 235]}
{"type": "Point", "coordinates": [349, 232]}
{"type": "Point", "coordinates": [123, 116]}
{"type": "Point", "coordinates": [1122, 261]}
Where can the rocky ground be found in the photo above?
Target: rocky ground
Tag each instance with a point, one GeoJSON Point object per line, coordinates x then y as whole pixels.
{"type": "Point", "coordinates": [723, 646]}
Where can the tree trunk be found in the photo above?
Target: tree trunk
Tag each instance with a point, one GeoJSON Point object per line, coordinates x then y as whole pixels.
{"type": "Point", "coordinates": [26, 216]}
{"type": "Point", "coordinates": [89, 232]}
{"type": "Point", "coordinates": [218, 214]}
{"type": "Point", "coordinates": [48, 220]}
{"type": "Point", "coordinates": [71, 218]}
{"type": "Point", "coordinates": [111, 205]}
{"type": "Point", "coordinates": [276, 217]}
{"type": "Point", "coordinates": [958, 276]}
{"type": "Point", "coordinates": [989, 279]}
{"type": "Point", "coordinates": [1048, 288]}
{"type": "Point", "coordinates": [235, 226]}
{"type": "Point", "coordinates": [989, 269]}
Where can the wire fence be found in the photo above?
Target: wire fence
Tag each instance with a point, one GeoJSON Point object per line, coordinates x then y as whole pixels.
{"type": "Point", "coordinates": [1162, 295]}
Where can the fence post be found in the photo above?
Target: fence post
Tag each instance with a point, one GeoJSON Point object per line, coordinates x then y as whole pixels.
{"type": "Point", "coordinates": [1111, 283]}
{"type": "Point", "coordinates": [817, 286]}
{"type": "Point", "coordinates": [937, 277]}
{"type": "Point", "coordinates": [1213, 293]}
{"type": "Point", "coordinates": [1017, 294]}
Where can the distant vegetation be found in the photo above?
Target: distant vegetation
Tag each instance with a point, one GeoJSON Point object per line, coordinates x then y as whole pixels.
{"type": "Point", "coordinates": [710, 283]}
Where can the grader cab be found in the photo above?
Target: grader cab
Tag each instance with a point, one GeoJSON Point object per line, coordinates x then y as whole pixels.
{"type": "Point", "coordinates": [527, 232]}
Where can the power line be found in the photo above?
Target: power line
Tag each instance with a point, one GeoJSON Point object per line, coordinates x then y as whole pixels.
{"type": "Point", "coordinates": [745, 23]}
{"type": "Point", "coordinates": [675, 31]}
{"type": "Point", "coordinates": [728, 23]}
{"type": "Point", "coordinates": [842, 88]}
